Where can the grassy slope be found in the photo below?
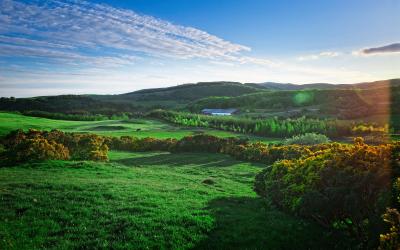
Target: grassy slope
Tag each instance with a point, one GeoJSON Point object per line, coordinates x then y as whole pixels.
{"type": "Point", "coordinates": [145, 200]}
{"type": "Point", "coordinates": [148, 128]}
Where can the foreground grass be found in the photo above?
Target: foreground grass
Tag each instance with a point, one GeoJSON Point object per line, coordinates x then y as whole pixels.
{"type": "Point", "coordinates": [142, 201]}
{"type": "Point", "coordinates": [136, 127]}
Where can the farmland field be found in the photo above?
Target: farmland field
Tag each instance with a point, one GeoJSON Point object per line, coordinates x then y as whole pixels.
{"type": "Point", "coordinates": [145, 200]}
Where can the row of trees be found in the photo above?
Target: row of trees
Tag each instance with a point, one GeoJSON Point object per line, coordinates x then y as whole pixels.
{"type": "Point", "coordinates": [272, 127]}
{"type": "Point", "coordinates": [77, 116]}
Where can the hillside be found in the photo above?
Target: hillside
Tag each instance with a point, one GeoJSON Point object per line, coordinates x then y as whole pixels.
{"type": "Point", "coordinates": [343, 100]}
{"type": "Point", "coordinates": [363, 85]}
{"type": "Point", "coordinates": [292, 86]}
{"type": "Point", "coordinates": [358, 100]}
{"type": "Point", "coordinates": [182, 94]}
{"type": "Point", "coordinates": [138, 101]}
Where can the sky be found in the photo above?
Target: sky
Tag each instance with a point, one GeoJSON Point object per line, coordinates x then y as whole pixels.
{"type": "Point", "coordinates": [109, 47]}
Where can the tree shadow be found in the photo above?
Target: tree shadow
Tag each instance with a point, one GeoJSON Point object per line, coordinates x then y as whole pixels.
{"type": "Point", "coordinates": [181, 160]}
{"type": "Point", "coordinates": [251, 223]}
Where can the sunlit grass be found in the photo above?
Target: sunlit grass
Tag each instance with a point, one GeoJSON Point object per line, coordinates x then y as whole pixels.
{"type": "Point", "coordinates": [142, 201]}
{"type": "Point", "coordinates": [135, 127]}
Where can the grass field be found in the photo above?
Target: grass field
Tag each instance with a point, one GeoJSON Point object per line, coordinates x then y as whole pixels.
{"type": "Point", "coordinates": [135, 127]}
{"type": "Point", "coordinates": [146, 201]}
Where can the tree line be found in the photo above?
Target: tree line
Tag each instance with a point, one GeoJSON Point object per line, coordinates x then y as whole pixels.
{"type": "Point", "coordinates": [271, 127]}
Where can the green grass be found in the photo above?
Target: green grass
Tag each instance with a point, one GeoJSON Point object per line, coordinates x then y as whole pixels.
{"type": "Point", "coordinates": [136, 127]}
{"type": "Point", "coordinates": [146, 201]}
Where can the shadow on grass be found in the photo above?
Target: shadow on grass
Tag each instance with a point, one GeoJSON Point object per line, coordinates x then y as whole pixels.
{"type": "Point", "coordinates": [181, 160]}
{"type": "Point", "coordinates": [251, 223]}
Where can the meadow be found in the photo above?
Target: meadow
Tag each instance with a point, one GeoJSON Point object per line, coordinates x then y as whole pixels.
{"type": "Point", "coordinates": [146, 201]}
{"type": "Point", "coordinates": [203, 191]}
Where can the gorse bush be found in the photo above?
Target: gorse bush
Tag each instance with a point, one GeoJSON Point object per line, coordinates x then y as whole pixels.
{"type": "Point", "coordinates": [34, 145]}
{"type": "Point", "coordinates": [37, 149]}
{"type": "Point", "coordinates": [391, 239]}
{"type": "Point", "coordinates": [128, 143]}
{"type": "Point", "coordinates": [346, 187]}
{"type": "Point", "coordinates": [307, 139]}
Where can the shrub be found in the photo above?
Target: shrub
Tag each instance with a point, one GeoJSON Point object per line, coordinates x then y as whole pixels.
{"type": "Point", "coordinates": [37, 149]}
{"type": "Point", "coordinates": [129, 143]}
{"type": "Point", "coordinates": [43, 145]}
{"type": "Point", "coordinates": [201, 143]}
{"type": "Point", "coordinates": [260, 152]}
{"type": "Point", "coordinates": [307, 139]}
{"type": "Point", "coordinates": [342, 186]}
{"type": "Point", "coordinates": [87, 147]}
{"type": "Point", "coordinates": [391, 239]}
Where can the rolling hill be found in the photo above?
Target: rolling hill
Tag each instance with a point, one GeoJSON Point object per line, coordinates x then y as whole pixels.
{"type": "Point", "coordinates": [363, 85]}
{"type": "Point", "coordinates": [360, 98]}
{"type": "Point", "coordinates": [345, 101]}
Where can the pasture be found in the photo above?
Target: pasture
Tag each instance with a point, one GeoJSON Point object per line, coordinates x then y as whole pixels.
{"type": "Point", "coordinates": [146, 201]}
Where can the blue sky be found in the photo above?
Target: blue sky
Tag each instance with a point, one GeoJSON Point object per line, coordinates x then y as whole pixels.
{"type": "Point", "coordinates": [109, 47]}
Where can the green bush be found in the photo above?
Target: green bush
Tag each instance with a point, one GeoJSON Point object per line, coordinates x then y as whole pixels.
{"type": "Point", "coordinates": [37, 149]}
{"type": "Point", "coordinates": [391, 239]}
{"type": "Point", "coordinates": [340, 186]}
{"type": "Point", "coordinates": [307, 139]}
{"type": "Point", "coordinates": [44, 145]}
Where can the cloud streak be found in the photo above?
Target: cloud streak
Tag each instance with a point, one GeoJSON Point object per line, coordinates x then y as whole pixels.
{"type": "Point", "coordinates": [391, 48]}
{"type": "Point", "coordinates": [324, 54]}
{"type": "Point", "coordinates": [78, 31]}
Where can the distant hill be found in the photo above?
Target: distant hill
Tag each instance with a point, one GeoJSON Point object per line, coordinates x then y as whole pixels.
{"type": "Point", "coordinates": [142, 100]}
{"type": "Point", "coordinates": [193, 91]}
{"type": "Point", "coordinates": [291, 86]}
{"type": "Point", "coordinates": [179, 96]}
{"type": "Point", "coordinates": [345, 101]}
{"type": "Point", "coordinates": [357, 98]}
{"type": "Point", "coordinates": [364, 85]}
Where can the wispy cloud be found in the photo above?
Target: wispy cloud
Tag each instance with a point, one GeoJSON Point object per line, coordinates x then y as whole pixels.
{"type": "Point", "coordinates": [387, 49]}
{"type": "Point", "coordinates": [79, 31]}
{"type": "Point", "coordinates": [324, 54]}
